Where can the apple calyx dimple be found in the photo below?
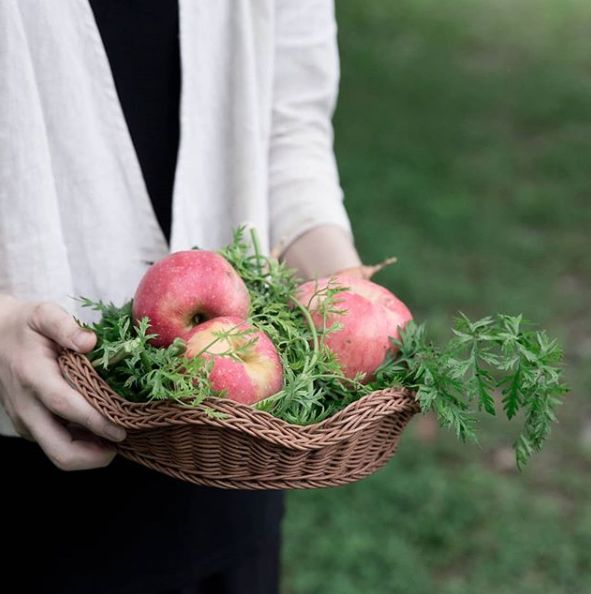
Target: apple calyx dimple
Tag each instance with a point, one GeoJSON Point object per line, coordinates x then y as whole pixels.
{"type": "Point", "coordinates": [197, 319]}
{"type": "Point", "coordinates": [185, 290]}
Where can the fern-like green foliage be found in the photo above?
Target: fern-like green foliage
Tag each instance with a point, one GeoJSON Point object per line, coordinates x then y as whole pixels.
{"type": "Point", "coordinates": [492, 363]}
{"type": "Point", "coordinates": [138, 371]}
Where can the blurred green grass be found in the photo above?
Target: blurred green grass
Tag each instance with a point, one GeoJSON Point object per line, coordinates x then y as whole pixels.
{"type": "Point", "coordinates": [463, 136]}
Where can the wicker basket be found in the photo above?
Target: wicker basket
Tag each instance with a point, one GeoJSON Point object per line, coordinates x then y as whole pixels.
{"type": "Point", "coordinates": [247, 448]}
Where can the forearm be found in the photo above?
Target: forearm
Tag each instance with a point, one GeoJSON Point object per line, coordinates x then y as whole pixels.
{"type": "Point", "coordinates": [321, 251]}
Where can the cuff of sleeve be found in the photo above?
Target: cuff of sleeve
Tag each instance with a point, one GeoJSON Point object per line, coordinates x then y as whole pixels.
{"type": "Point", "coordinates": [302, 208]}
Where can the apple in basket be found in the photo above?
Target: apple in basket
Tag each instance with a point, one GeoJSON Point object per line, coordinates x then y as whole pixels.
{"type": "Point", "coordinates": [187, 288]}
{"type": "Point", "coordinates": [368, 316]}
{"type": "Point", "coordinates": [246, 365]}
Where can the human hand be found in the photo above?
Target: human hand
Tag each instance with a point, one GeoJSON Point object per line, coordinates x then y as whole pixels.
{"type": "Point", "coordinates": [40, 403]}
{"type": "Point", "coordinates": [319, 252]}
{"type": "Point", "coordinates": [327, 251]}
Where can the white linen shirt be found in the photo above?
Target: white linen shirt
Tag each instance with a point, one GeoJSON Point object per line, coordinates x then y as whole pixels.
{"type": "Point", "coordinates": [259, 83]}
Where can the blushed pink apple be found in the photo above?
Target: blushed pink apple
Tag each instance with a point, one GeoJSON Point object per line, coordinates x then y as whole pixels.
{"type": "Point", "coordinates": [187, 288]}
{"type": "Point", "coordinates": [254, 370]}
{"type": "Point", "coordinates": [369, 315]}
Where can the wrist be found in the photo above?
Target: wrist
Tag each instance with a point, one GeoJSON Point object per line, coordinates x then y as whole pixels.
{"type": "Point", "coordinates": [321, 251]}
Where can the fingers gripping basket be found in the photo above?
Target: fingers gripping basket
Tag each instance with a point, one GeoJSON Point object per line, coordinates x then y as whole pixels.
{"type": "Point", "coordinates": [245, 448]}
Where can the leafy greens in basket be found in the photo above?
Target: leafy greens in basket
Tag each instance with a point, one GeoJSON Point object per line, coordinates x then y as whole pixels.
{"type": "Point", "coordinates": [495, 362]}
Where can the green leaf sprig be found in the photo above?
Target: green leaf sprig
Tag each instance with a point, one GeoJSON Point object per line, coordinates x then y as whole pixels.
{"type": "Point", "coordinates": [495, 362]}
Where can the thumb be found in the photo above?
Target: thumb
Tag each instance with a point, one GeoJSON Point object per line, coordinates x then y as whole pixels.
{"type": "Point", "coordinates": [55, 323]}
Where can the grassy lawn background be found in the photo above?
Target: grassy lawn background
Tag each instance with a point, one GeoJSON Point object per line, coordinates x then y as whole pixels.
{"type": "Point", "coordinates": [463, 136]}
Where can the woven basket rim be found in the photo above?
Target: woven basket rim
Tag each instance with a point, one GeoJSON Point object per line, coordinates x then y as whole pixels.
{"type": "Point", "coordinates": [164, 413]}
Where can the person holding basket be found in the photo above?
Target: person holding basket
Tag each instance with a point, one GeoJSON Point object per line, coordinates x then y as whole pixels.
{"type": "Point", "coordinates": [128, 130]}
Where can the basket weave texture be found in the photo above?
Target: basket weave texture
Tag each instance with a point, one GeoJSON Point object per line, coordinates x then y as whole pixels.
{"type": "Point", "coordinates": [248, 448]}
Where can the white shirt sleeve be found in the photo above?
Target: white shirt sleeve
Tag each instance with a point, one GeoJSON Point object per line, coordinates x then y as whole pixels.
{"type": "Point", "coordinates": [304, 188]}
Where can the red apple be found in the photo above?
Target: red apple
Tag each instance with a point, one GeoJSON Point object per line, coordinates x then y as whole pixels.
{"type": "Point", "coordinates": [187, 288]}
{"type": "Point", "coordinates": [369, 315]}
{"type": "Point", "coordinates": [253, 371]}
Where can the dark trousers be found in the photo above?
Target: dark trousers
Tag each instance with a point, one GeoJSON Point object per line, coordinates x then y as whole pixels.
{"type": "Point", "coordinates": [251, 575]}
{"type": "Point", "coordinates": [128, 530]}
